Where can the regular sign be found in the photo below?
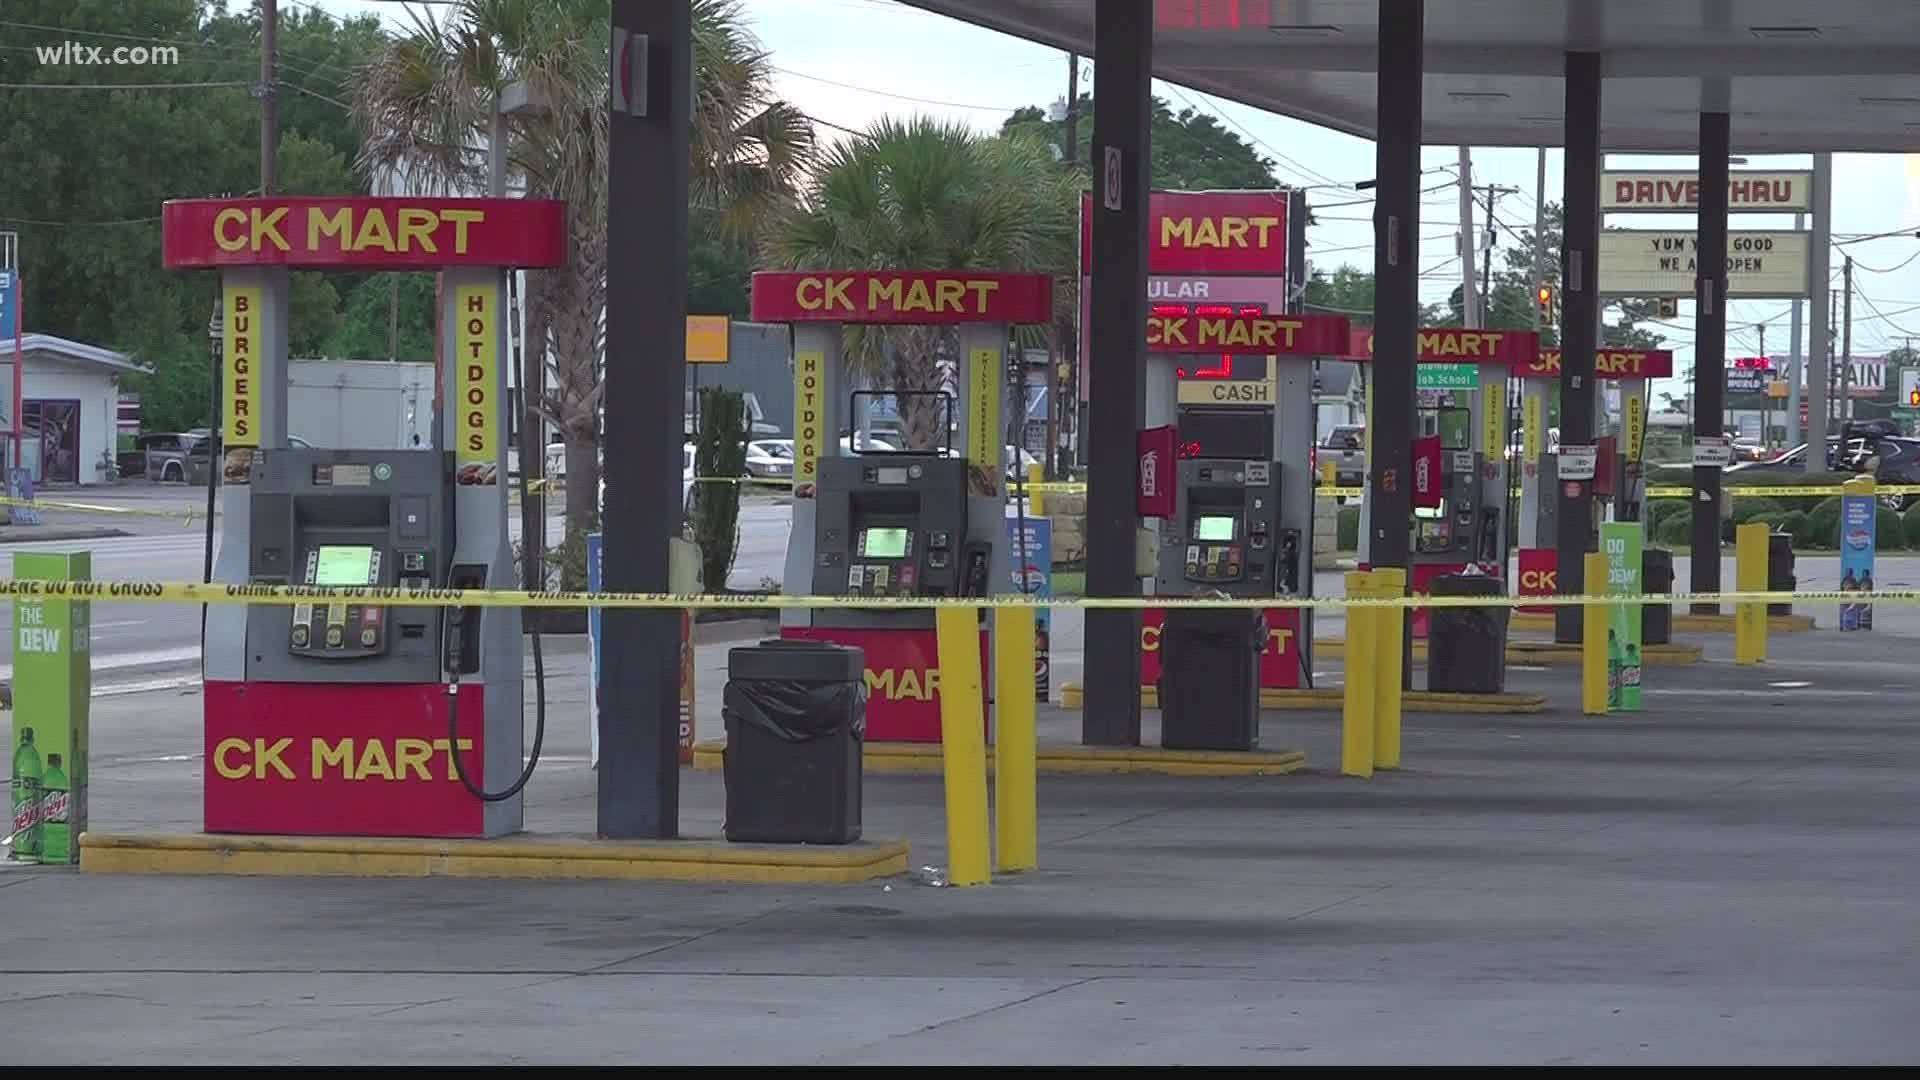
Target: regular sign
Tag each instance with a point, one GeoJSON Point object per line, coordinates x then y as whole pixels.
{"type": "Point", "coordinates": [1661, 263]}
{"type": "Point", "coordinates": [1679, 192]}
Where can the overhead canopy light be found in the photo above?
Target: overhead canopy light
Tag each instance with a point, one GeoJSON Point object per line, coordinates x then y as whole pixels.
{"type": "Point", "coordinates": [1897, 102]}
{"type": "Point", "coordinates": [1305, 29]}
{"type": "Point", "coordinates": [1789, 32]}
{"type": "Point", "coordinates": [1478, 95]}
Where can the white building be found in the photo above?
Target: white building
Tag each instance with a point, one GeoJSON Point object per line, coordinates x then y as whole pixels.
{"type": "Point", "coordinates": [69, 406]}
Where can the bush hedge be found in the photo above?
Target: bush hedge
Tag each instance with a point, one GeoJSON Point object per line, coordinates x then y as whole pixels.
{"type": "Point", "coordinates": [1912, 527]}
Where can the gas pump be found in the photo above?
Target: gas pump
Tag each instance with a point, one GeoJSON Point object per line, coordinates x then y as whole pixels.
{"type": "Point", "coordinates": [306, 703]}
{"type": "Point", "coordinates": [897, 524]}
{"type": "Point", "coordinates": [1240, 520]}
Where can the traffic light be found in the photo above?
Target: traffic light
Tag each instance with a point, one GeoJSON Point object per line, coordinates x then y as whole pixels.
{"type": "Point", "coordinates": [1910, 386]}
{"type": "Point", "coordinates": [1913, 399]}
{"type": "Point", "coordinates": [1545, 300]}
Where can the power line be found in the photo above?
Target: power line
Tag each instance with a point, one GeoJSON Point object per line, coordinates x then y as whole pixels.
{"type": "Point", "coordinates": [902, 97]}
{"type": "Point", "coordinates": [118, 86]}
{"type": "Point", "coordinates": [1858, 265]}
{"type": "Point", "coordinates": [77, 224]}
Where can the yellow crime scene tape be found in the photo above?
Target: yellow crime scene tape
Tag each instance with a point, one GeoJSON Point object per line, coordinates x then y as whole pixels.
{"type": "Point", "coordinates": [191, 515]}
{"type": "Point", "coordinates": [164, 592]}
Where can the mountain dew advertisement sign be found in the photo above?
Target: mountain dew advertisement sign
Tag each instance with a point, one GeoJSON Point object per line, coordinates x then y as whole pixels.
{"type": "Point", "coordinates": [1621, 542]}
{"type": "Point", "coordinates": [51, 688]}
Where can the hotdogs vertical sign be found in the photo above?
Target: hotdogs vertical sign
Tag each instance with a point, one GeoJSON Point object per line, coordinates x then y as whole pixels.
{"type": "Point", "coordinates": [479, 357]}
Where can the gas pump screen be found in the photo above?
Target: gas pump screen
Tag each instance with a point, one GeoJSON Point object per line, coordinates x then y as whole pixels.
{"type": "Point", "coordinates": [885, 543]}
{"type": "Point", "coordinates": [343, 565]}
{"type": "Point", "coordinates": [1213, 527]}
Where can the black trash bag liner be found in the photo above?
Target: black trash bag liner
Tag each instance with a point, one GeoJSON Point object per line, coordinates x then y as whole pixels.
{"type": "Point", "coordinates": [796, 711]}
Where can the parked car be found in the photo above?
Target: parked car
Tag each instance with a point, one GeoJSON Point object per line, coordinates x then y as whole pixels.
{"type": "Point", "coordinates": [1344, 446]}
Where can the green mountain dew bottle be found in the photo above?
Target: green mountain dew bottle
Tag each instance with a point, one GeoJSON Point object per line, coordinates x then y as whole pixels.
{"type": "Point", "coordinates": [26, 799]}
{"type": "Point", "coordinates": [1629, 682]}
{"type": "Point", "coordinates": [1615, 662]}
{"type": "Point", "coordinates": [56, 837]}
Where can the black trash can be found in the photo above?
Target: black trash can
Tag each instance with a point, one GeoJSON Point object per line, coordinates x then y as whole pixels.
{"type": "Point", "coordinates": [1780, 565]}
{"type": "Point", "coordinates": [1467, 646]}
{"type": "Point", "coordinates": [1210, 678]}
{"type": "Point", "coordinates": [1656, 576]}
{"type": "Point", "coordinates": [796, 716]}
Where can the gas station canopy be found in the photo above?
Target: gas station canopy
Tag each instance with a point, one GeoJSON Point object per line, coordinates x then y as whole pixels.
{"type": "Point", "coordinates": [1795, 76]}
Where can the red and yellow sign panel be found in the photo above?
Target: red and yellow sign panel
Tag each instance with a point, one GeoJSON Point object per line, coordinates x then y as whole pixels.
{"type": "Point", "coordinates": [346, 759]}
{"type": "Point", "coordinates": [1293, 335]}
{"type": "Point", "coordinates": [1279, 661]}
{"type": "Point", "coordinates": [905, 297]}
{"type": "Point", "coordinates": [1192, 232]}
{"type": "Point", "coordinates": [902, 676]}
{"type": "Point", "coordinates": [1607, 364]}
{"type": "Point", "coordinates": [332, 233]}
{"type": "Point", "coordinates": [1456, 345]}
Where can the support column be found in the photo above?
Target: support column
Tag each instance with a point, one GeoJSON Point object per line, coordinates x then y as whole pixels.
{"type": "Point", "coordinates": [1710, 349]}
{"type": "Point", "coordinates": [1579, 329]}
{"type": "Point", "coordinates": [645, 399]}
{"type": "Point", "coordinates": [1117, 345]}
{"type": "Point", "coordinates": [1818, 354]}
{"type": "Point", "coordinates": [1396, 295]}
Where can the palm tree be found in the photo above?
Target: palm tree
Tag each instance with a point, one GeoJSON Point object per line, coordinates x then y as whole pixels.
{"type": "Point", "coordinates": [924, 194]}
{"type": "Point", "coordinates": [424, 105]}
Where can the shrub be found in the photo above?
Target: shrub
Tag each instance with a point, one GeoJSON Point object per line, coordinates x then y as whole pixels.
{"type": "Point", "coordinates": [1823, 523]}
{"type": "Point", "coordinates": [1913, 526]}
{"type": "Point", "coordinates": [1659, 510]}
{"type": "Point", "coordinates": [1347, 529]}
{"type": "Point", "coordinates": [1676, 529]}
{"type": "Point", "coordinates": [1749, 507]}
{"type": "Point", "coordinates": [1889, 532]}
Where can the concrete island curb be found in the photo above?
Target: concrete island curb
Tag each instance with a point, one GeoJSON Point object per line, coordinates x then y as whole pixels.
{"type": "Point", "coordinates": [1065, 760]}
{"type": "Point", "coordinates": [1534, 652]}
{"type": "Point", "coordinates": [552, 858]}
{"type": "Point", "coordinates": [1332, 698]}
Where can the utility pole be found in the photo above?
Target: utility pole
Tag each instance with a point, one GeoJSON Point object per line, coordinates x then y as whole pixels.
{"type": "Point", "coordinates": [269, 98]}
{"type": "Point", "coordinates": [1531, 494]}
{"type": "Point", "coordinates": [1795, 434]}
{"type": "Point", "coordinates": [1766, 406]}
{"type": "Point", "coordinates": [1066, 341]}
{"type": "Point", "coordinates": [1469, 298]}
{"type": "Point", "coordinates": [1846, 344]}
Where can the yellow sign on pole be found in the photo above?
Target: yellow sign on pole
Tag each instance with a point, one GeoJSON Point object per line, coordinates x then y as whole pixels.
{"type": "Point", "coordinates": [707, 338]}
{"type": "Point", "coordinates": [1493, 411]}
{"type": "Point", "coordinates": [1636, 418]}
{"type": "Point", "coordinates": [1531, 428]}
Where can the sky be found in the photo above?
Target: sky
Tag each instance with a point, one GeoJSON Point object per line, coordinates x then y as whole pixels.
{"type": "Point", "coordinates": [847, 63]}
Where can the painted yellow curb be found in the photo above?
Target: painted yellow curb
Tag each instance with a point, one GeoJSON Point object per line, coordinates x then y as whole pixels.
{"type": "Point", "coordinates": [1067, 760]}
{"type": "Point", "coordinates": [1682, 620]}
{"type": "Point", "coordinates": [1331, 698]}
{"type": "Point", "coordinates": [1556, 652]}
{"type": "Point", "coordinates": [682, 860]}
{"type": "Point", "coordinates": [1533, 652]}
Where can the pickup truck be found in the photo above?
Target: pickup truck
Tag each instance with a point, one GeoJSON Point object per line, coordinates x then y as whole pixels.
{"type": "Point", "coordinates": [1345, 447]}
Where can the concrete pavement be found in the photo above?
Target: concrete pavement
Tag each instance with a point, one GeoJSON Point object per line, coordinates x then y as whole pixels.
{"type": "Point", "coordinates": [1721, 879]}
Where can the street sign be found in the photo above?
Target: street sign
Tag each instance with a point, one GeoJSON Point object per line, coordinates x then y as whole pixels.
{"type": "Point", "coordinates": [1446, 377]}
{"type": "Point", "coordinates": [1577, 462]}
{"type": "Point", "coordinates": [1110, 187]}
{"type": "Point", "coordinates": [1712, 451]}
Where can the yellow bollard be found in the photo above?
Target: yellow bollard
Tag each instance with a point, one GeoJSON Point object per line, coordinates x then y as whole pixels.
{"type": "Point", "coordinates": [1750, 575]}
{"type": "Point", "coordinates": [963, 744]}
{"type": "Point", "coordinates": [1389, 632]}
{"type": "Point", "coordinates": [1036, 500]}
{"type": "Point", "coordinates": [1357, 702]}
{"type": "Point", "coordinates": [1015, 741]}
{"type": "Point", "coordinates": [1593, 640]}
